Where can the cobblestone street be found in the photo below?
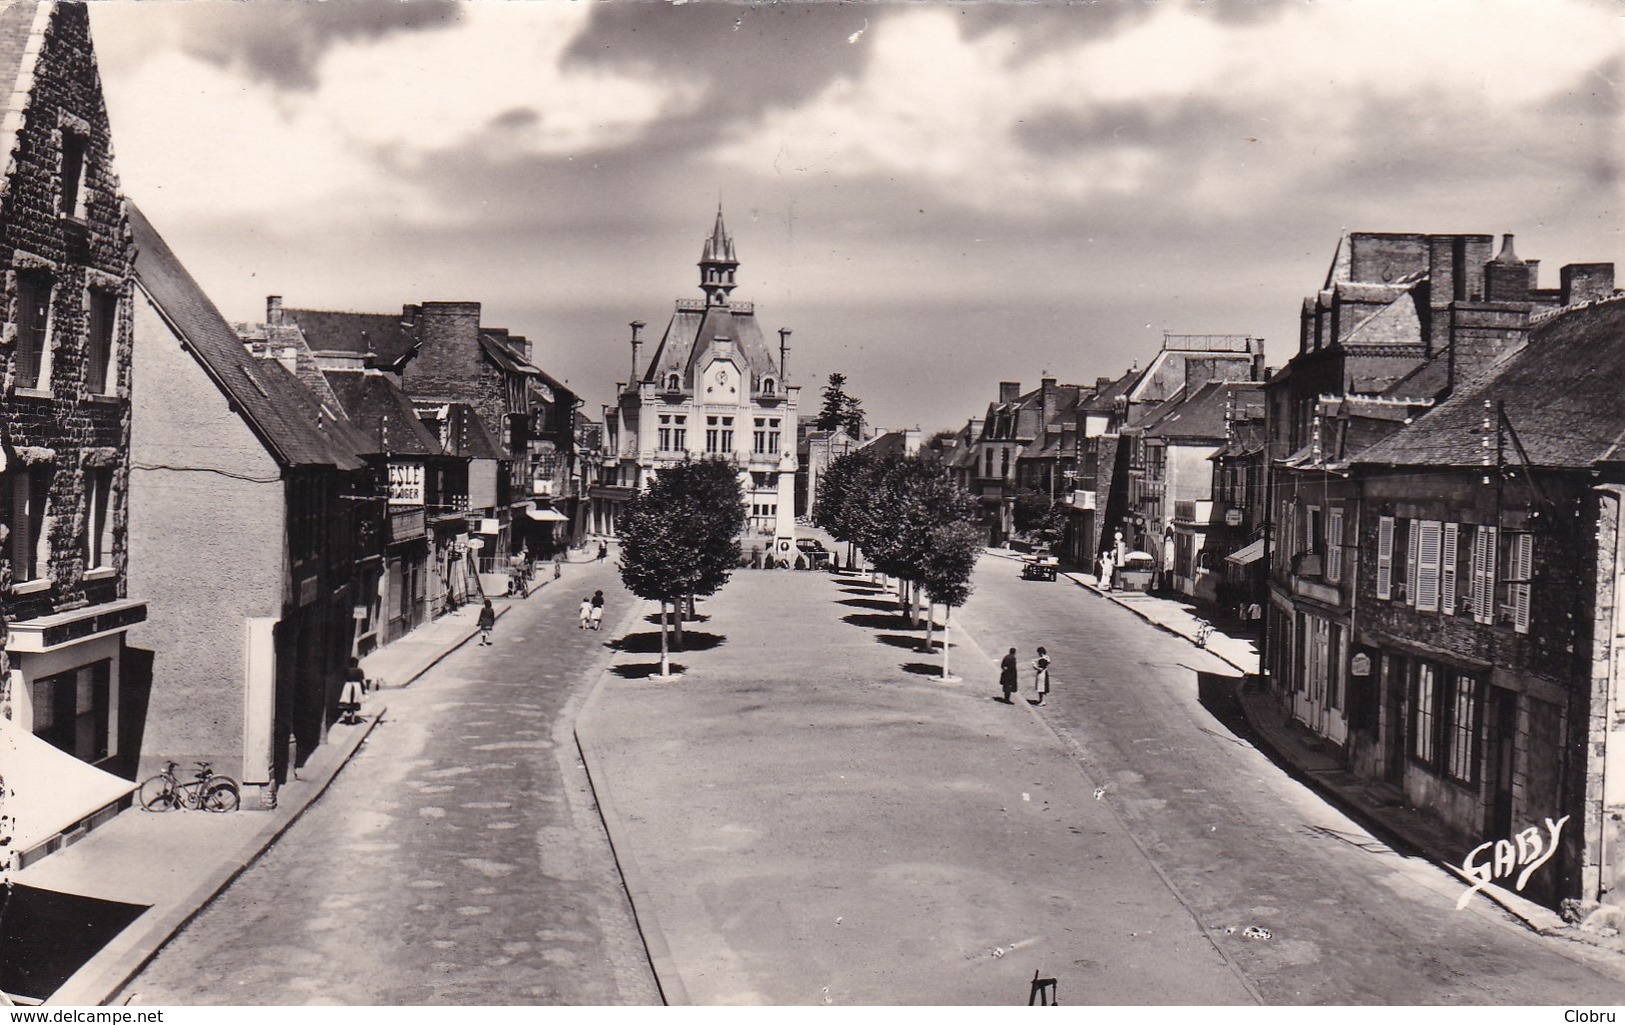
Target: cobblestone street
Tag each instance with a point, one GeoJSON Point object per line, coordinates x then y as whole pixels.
{"type": "Point", "coordinates": [459, 859]}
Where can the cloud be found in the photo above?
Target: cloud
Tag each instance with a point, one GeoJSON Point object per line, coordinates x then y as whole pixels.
{"type": "Point", "coordinates": [1176, 105]}
{"type": "Point", "coordinates": [341, 149]}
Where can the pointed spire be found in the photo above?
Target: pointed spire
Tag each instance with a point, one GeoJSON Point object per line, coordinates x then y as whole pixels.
{"type": "Point", "coordinates": [717, 264]}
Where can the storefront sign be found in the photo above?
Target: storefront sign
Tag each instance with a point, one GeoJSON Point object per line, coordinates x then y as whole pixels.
{"type": "Point", "coordinates": [1360, 665]}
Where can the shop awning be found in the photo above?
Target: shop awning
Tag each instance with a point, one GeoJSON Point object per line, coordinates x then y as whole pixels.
{"type": "Point", "coordinates": [1248, 555]}
{"type": "Point", "coordinates": [47, 789]}
{"type": "Point", "coordinates": [546, 515]}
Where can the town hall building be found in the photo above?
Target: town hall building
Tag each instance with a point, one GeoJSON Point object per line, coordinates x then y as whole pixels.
{"type": "Point", "coordinates": [711, 389]}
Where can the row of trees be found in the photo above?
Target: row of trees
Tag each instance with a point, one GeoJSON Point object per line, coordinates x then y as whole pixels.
{"type": "Point", "coordinates": [913, 521]}
{"type": "Point", "coordinates": [680, 540]}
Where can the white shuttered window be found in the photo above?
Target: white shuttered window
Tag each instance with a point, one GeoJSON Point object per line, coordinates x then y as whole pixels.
{"type": "Point", "coordinates": [1484, 551]}
{"type": "Point", "coordinates": [1427, 568]}
{"type": "Point", "coordinates": [1385, 557]}
{"type": "Point", "coordinates": [1413, 535]}
{"type": "Point", "coordinates": [1523, 567]}
{"type": "Point", "coordinates": [1447, 569]}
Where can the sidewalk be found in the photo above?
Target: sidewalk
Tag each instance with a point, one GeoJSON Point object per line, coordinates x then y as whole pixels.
{"type": "Point", "coordinates": [1379, 806]}
{"type": "Point", "coordinates": [810, 816]}
{"type": "Point", "coordinates": [177, 862]}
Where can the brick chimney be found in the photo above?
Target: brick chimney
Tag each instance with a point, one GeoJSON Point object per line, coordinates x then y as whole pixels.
{"type": "Point", "coordinates": [273, 310]}
{"type": "Point", "coordinates": [1009, 391]}
{"type": "Point", "coordinates": [1583, 282]}
{"type": "Point", "coordinates": [636, 325]}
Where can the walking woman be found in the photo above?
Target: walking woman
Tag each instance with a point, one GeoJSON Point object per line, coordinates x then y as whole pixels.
{"type": "Point", "coordinates": [1041, 675]}
{"type": "Point", "coordinates": [597, 612]}
{"type": "Point", "coordinates": [1007, 676]}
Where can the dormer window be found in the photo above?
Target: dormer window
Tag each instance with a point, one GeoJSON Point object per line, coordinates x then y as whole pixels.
{"type": "Point", "coordinates": [769, 386]}
{"type": "Point", "coordinates": [674, 382]}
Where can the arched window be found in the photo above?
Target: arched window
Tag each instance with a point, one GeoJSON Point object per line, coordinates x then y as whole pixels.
{"type": "Point", "coordinates": [769, 387]}
{"type": "Point", "coordinates": [674, 382]}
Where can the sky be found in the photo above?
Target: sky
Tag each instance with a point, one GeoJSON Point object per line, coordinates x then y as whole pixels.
{"type": "Point", "coordinates": [933, 196]}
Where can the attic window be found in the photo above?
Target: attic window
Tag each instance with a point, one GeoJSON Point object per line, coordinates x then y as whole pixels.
{"type": "Point", "coordinates": [674, 382]}
{"type": "Point", "coordinates": [75, 150]}
{"type": "Point", "coordinates": [769, 387]}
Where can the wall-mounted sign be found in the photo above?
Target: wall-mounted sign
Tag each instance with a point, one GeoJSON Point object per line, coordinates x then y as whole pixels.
{"type": "Point", "coordinates": [1232, 517]}
{"type": "Point", "coordinates": [1360, 665]}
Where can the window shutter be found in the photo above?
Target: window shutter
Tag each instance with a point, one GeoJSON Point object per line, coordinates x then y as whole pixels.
{"type": "Point", "coordinates": [1413, 535]}
{"type": "Point", "coordinates": [1484, 575]}
{"type": "Point", "coordinates": [1523, 564]}
{"type": "Point", "coordinates": [1427, 569]}
{"type": "Point", "coordinates": [1334, 545]}
{"type": "Point", "coordinates": [1447, 569]}
{"type": "Point", "coordinates": [1385, 557]}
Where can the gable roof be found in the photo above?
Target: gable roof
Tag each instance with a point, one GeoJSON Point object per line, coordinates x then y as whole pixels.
{"type": "Point", "coordinates": [384, 413]}
{"type": "Point", "coordinates": [295, 428]}
{"type": "Point", "coordinates": [1560, 394]}
{"type": "Point", "coordinates": [1202, 415]}
{"type": "Point", "coordinates": [467, 437]}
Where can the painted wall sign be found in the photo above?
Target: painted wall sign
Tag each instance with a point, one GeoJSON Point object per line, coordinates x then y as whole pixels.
{"type": "Point", "coordinates": [1499, 859]}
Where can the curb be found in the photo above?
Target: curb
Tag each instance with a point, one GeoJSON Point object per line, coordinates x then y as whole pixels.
{"type": "Point", "coordinates": [104, 976]}
{"type": "Point", "coordinates": [667, 979]}
{"type": "Point", "coordinates": [1160, 626]}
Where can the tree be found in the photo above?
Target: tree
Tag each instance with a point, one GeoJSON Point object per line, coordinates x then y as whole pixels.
{"type": "Point", "coordinates": [1034, 513]}
{"type": "Point", "coordinates": [840, 481]}
{"type": "Point", "coordinates": [680, 537]}
{"type": "Point", "coordinates": [946, 572]}
{"type": "Point", "coordinates": [840, 411]}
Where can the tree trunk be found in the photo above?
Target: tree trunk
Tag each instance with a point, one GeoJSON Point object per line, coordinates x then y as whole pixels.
{"type": "Point", "coordinates": [665, 654]}
{"type": "Point", "coordinates": [947, 615]}
{"type": "Point", "coordinates": [677, 622]}
{"type": "Point", "coordinates": [929, 623]}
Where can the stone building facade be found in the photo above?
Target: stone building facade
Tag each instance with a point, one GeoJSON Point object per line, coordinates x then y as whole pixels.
{"type": "Point", "coordinates": [711, 389]}
{"type": "Point", "coordinates": [64, 397]}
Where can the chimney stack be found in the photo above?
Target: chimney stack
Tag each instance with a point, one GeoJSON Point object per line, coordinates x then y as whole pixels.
{"type": "Point", "coordinates": [1586, 281]}
{"type": "Point", "coordinates": [637, 325]}
{"type": "Point", "coordinates": [273, 309]}
{"type": "Point", "coordinates": [784, 356]}
{"type": "Point", "coordinates": [1009, 391]}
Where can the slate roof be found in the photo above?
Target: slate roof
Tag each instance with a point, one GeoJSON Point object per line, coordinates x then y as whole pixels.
{"type": "Point", "coordinates": [16, 25]}
{"type": "Point", "coordinates": [383, 413]}
{"type": "Point", "coordinates": [1104, 399]}
{"type": "Point", "coordinates": [465, 435]}
{"type": "Point", "coordinates": [1561, 393]}
{"type": "Point", "coordinates": [296, 429]}
{"type": "Point", "coordinates": [342, 331]}
{"type": "Point", "coordinates": [1202, 414]}
{"type": "Point", "coordinates": [689, 334]}
{"type": "Point", "coordinates": [892, 443]}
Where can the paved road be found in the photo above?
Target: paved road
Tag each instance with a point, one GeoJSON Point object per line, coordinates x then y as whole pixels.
{"type": "Point", "coordinates": [809, 816]}
{"type": "Point", "coordinates": [458, 859]}
{"type": "Point", "coordinates": [1351, 922]}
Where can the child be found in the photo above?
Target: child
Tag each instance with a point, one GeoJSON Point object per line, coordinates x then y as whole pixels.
{"type": "Point", "coordinates": [586, 611]}
{"type": "Point", "coordinates": [488, 619]}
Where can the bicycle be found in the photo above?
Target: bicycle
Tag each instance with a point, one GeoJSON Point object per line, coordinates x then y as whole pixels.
{"type": "Point", "coordinates": [209, 791]}
{"type": "Point", "coordinates": [1204, 630]}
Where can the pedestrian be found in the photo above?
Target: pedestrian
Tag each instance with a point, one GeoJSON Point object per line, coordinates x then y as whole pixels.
{"type": "Point", "coordinates": [1106, 569]}
{"type": "Point", "coordinates": [1007, 676]}
{"type": "Point", "coordinates": [1041, 675]}
{"type": "Point", "coordinates": [488, 619]}
{"type": "Point", "coordinates": [586, 611]}
{"type": "Point", "coordinates": [558, 562]}
{"type": "Point", "coordinates": [355, 685]}
{"type": "Point", "coordinates": [603, 551]}
{"type": "Point", "coordinates": [597, 613]}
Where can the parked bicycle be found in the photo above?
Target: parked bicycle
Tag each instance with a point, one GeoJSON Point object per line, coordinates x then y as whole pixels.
{"type": "Point", "coordinates": [208, 791]}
